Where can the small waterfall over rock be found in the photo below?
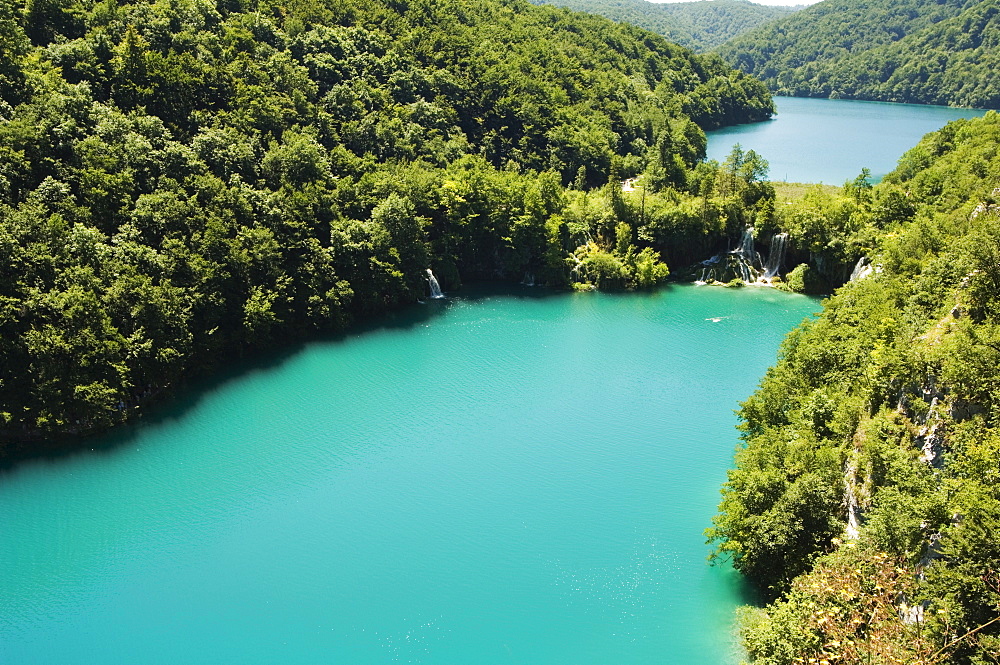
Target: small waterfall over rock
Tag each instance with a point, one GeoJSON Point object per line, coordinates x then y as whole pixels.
{"type": "Point", "coordinates": [707, 272]}
{"type": "Point", "coordinates": [776, 256]}
{"type": "Point", "coordinates": [434, 286]}
{"type": "Point", "coordinates": [853, 529]}
{"type": "Point", "coordinates": [747, 258]}
{"type": "Point", "coordinates": [862, 269]}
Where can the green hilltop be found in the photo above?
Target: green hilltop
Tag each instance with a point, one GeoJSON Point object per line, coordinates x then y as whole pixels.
{"type": "Point", "coordinates": [701, 25]}
{"type": "Point", "coordinates": [916, 51]}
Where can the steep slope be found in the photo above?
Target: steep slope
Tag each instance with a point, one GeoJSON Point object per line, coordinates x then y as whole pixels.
{"type": "Point", "coordinates": [697, 25]}
{"type": "Point", "coordinates": [867, 496]}
{"type": "Point", "coordinates": [915, 51]}
{"type": "Point", "coordinates": [184, 181]}
{"type": "Point", "coordinates": [954, 62]}
{"type": "Point", "coordinates": [712, 23]}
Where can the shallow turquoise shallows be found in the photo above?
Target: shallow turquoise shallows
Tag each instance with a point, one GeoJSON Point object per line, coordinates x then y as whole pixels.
{"type": "Point", "coordinates": [831, 140]}
{"type": "Point", "coordinates": [487, 479]}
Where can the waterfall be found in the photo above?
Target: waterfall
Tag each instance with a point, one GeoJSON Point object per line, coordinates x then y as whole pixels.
{"type": "Point", "coordinates": [861, 269]}
{"type": "Point", "coordinates": [746, 249]}
{"type": "Point", "coordinates": [433, 283]}
{"type": "Point", "coordinates": [745, 272]}
{"type": "Point", "coordinates": [707, 275]}
{"type": "Point", "coordinates": [853, 530]}
{"type": "Point", "coordinates": [776, 256]}
{"type": "Point", "coordinates": [744, 263]}
{"type": "Point", "coordinates": [746, 257]}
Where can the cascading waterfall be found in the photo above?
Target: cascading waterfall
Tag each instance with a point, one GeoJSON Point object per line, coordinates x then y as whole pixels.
{"type": "Point", "coordinates": [745, 272]}
{"type": "Point", "coordinates": [746, 248]}
{"type": "Point", "coordinates": [776, 256]}
{"type": "Point", "coordinates": [744, 262]}
{"type": "Point", "coordinates": [746, 257]}
{"type": "Point", "coordinates": [708, 269]}
{"type": "Point", "coordinates": [434, 286]}
{"type": "Point", "coordinates": [853, 529]}
{"type": "Point", "coordinates": [707, 275]}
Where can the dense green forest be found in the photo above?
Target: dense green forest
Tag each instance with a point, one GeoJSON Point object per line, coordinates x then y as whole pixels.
{"type": "Point", "coordinates": [183, 181]}
{"type": "Point", "coordinates": [919, 51]}
{"type": "Point", "coordinates": [866, 500]}
{"type": "Point", "coordinates": [698, 25]}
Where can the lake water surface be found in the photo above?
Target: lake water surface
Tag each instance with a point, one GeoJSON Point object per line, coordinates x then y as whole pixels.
{"type": "Point", "coordinates": [486, 479]}
{"type": "Point", "coordinates": [831, 140]}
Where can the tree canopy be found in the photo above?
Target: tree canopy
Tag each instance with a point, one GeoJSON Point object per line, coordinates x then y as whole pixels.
{"type": "Point", "coordinates": [182, 181]}
{"type": "Point", "coordinates": [865, 499]}
{"type": "Point", "coordinates": [917, 51]}
{"type": "Point", "coordinates": [698, 25]}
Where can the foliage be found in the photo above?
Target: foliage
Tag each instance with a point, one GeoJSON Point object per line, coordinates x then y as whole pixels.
{"type": "Point", "coordinates": [182, 181]}
{"type": "Point", "coordinates": [846, 610]}
{"type": "Point", "coordinates": [700, 26]}
{"type": "Point", "coordinates": [888, 407]}
{"type": "Point", "coordinates": [803, 279]}
{"type": "Point", "coordinates": [918, 51]}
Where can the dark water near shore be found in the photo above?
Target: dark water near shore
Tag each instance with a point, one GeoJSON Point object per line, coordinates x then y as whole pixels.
{"type": "Point", "coordinates": [492, 479]}
{"type": "Point", "coordinates": [831, 140]}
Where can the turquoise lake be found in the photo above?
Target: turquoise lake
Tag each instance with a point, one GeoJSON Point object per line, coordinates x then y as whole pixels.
{"type": "Point", "coordinates": [492, 478]}
{"type": "Point", "coordinates": [831, 140]}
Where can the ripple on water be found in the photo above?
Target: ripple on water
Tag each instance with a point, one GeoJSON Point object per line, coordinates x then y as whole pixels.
{"type": "Point", "coordinates": [510, 480]}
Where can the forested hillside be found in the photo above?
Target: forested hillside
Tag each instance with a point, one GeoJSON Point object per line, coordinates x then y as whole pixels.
{"type": "Point", "coordinates": [187, 180]}
{"type": "Point", "coordinates": [698, 25]}
{"type": "Point", "coordinates": [866, 500]}
{"type": "Point", "coordinates": [918, 51]}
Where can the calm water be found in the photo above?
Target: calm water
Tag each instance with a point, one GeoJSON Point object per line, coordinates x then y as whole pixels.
{"type": "Point", "coordinates": [489, 479]}
{"type": "Point", "coordinates": [831, 140]}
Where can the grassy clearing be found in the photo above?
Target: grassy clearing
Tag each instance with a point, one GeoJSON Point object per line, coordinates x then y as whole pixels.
{"type": "Point", "coordinates": [793, 191]}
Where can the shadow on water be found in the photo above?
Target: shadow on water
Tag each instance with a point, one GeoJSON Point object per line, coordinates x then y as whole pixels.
{"type": "Point", "coordinates": [175, 403]}
{"type": "Point", "coordinates": [182, 399]}
{"type": "Point", "coordinates": [178, 401]}
{"type": "Point", "coordinates": [746, 593]}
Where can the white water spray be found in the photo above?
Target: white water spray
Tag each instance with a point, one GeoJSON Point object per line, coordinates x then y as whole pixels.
{"type": "Point", "coordinates": [776, 256]}
{"type": "Point", "coordinates": [747, 258]}
{"type": "Point", "coordinates": [861, 269]}
{"type": "Point", "coordinates": [746, 248]}
{"type": "Point", "coordinates": [745, 263]}
{"type": "Point", "coordinates": [434, 286]}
